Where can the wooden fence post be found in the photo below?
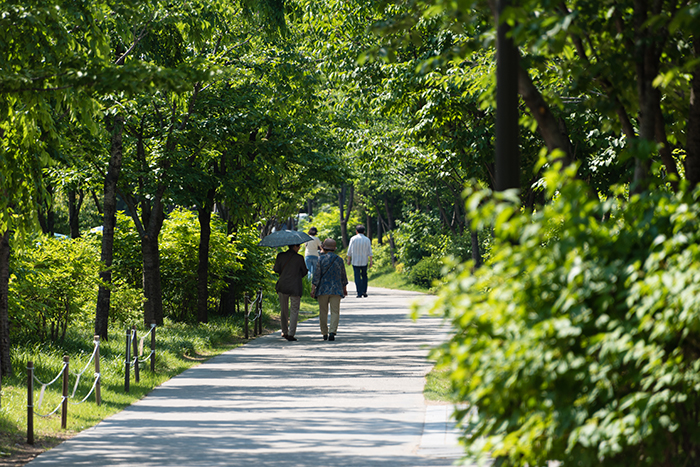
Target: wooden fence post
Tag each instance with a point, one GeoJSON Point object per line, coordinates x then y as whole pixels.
{"type": "Point", "coordinates": [245, 315]}
{"type": "Point", "coordinates": [153, 346]}
{"type": "Point", "coordinates": [98, 384]}
{"type": "Point", "coordinates": [64, 408]}
{"type": "Point", "coordinates": [134, 339]}
{"type": "Point", "coordinates": [30, 403]}
{"type": "Point", "coordinates": [127, 363]}
{"type": "Point", "coordinates": [260, 315]}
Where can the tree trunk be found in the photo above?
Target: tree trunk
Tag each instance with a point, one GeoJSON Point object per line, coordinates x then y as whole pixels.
{"type": "Point", "coordinates": [108, 224]}
{"type": "Point", "coordinates": [445, 219]}
{"type": "Point", "coordinates": [390, 230]}
{"type": "Point", "coordinates": [647, 56]}
{"type": "Point", "coordinates": [74, 212]}
{"type": "Point", "coordinates": [98, 206]}
{"type": "Point", "coordinates": [665, 149]}
{"type": "Point", "coordinates": [552, 130]}
{"type": "Point", "coordinates": [476, 251]}
{"type": "Point", "coordinates": [204, 214]}
{"type": "Point", "coordinates": [46, 214]}
{"type": "Point", "coordinates": [692, 158]}
{"type": "Point", "coordinates": [507, 126]}
{"type": "Point", "coordinates": [345, 215]}
{"type": "Point", "coordinates": [152, 290]}
{"type": "Point", "coordinates": [380, 240]}
{"type": "Point", "coordinates": [5, 362]}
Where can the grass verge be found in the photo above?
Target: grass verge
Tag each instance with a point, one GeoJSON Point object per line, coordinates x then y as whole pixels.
{"type": "Point", "coordinates": [438, 387]}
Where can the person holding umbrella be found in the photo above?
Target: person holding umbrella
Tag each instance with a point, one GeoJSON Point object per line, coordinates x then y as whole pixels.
{"type": "Point", "coordinates": [329, 285]}
{"type": "Point", "coordinates": [291, 268]}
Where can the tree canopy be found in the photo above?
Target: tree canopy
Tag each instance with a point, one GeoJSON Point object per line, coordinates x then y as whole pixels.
{"type": "Point", "coordinates": [248, 112]}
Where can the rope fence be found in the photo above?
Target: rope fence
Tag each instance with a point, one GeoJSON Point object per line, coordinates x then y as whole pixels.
{"type": "Point", "coordinates": [256, 312]}
{"type": "Point", "coordinates": [64, 374]}
{"type": "Point", "coordinates": [133, 344]}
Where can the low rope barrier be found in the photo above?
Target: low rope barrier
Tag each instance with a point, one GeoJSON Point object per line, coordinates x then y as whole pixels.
{"type": "Point", "coordinates": [54, 380]}
{"type": "Point", "coordinates": [60, 404]}
{"type": "Point", "coordinates": [43, 389]}
{"type": "Point", "coordinates": [94, 385]}
{"type": "Point", "coordinates": [256, 311]}
{"type": "Point", "coordinates": [34, 409]}
{"type": "Point", "coordinates": [79, 375]}
{"type": "Point", "coordinates": [136, 345]}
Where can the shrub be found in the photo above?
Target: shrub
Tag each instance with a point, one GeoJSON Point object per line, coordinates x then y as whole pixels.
{"type": "Point", "coordinates": [381, 255]}
{"type": "Point", "coordinates": [327, 223]}
{"type": "Point", "coordinates": [53, 283]}
{"type": "Point", "coordinates": [179, 247]}
{"type": "Point", "coordinates": [419, 236]}
{"type": "Point", "coordinates": [126, 304]}
{"type": "Point", "coordinates": [127, 264]}
{"type": "Point", "coordinates": [577, 341]}
{"type": "Point", "coordinates": [427, 271]}
{"type": "Point", "coordinates": [254, 269]}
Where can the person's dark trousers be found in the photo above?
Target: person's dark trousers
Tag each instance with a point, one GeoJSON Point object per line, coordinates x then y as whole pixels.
{"type": "Point", "coordinates": [360, 279]}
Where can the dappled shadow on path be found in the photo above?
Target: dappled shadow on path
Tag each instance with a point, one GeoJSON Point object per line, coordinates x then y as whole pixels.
{"type": "Point", "coordinates": [353, 402]}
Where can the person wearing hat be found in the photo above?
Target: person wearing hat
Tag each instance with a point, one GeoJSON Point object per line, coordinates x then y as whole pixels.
{"type": "Point", "coordinates": [313, 248]}
{"type": "Point", "coordinates": [291, 268]}
{"type": "Point", "coordinates": [329, 285]}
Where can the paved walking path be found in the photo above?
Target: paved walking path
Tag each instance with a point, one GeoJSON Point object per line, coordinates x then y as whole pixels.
{"type": "Point", "coordinates": [357, 401]}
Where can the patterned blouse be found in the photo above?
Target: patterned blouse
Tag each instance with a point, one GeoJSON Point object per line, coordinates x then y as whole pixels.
{"type": "Point", "coordinates": [329, 275]}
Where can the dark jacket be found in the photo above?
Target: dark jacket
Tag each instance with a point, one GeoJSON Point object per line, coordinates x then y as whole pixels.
{"type": "Point", "coordinates": [292, 268]}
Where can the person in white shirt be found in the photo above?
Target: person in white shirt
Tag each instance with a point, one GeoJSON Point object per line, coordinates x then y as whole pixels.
{"type": "Point", "coordinates": [312, 251]}
{"type": "Point", "coordinates": [360, 256]}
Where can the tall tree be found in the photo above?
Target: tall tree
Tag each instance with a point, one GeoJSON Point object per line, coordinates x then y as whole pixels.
{"type": "Point", "coordinates": [108, 225]}
{"type": "Point", "coordinates": [507, 125]}
{"type": "Point", "coordinates": [46, 66]}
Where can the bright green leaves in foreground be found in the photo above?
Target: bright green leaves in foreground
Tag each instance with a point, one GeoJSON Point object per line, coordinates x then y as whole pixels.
{"type": "Point", "coordinates": [578, 341]}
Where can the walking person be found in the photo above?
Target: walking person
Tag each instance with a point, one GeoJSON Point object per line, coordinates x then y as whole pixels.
{"type": "Point", "coordinates": [291, 268]}
{"type": "Point", "coordinates": [360, 256]}
{"type": "Point", "coordinates": [329, 286]}
{"type": "Point", "coordinates": [313, 248]}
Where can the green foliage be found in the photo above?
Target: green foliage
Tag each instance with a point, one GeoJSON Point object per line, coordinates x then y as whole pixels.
{"type": "Point", "coordinates": [327, 221]}
{"type": "Point", "coordinates": [179, 253]}
{"type": "Point", "coordinates": [53, 287]}
{"type": "Point", "coordinates": [256, 265]}
{"type": "Point", "coordinates": [126, 304]}
{"type": "Point", "coordinates": [459, 247]}
{"type": "Point", "coordinates": [577, 341]}
{"type": "Point", "coordinates": [419, 235]}
{"type": "Point", "coordinates": [381, 258]}
{"type": "Point", "coordinates": [127, 264]}
{"type": "Point", "coordinates": [53, 283]}
{"type": "Point", "coordinates": [426, 272]}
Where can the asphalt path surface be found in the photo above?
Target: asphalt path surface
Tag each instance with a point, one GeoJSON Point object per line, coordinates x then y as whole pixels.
{"type": "Point", "coordinates": [357, 401]}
